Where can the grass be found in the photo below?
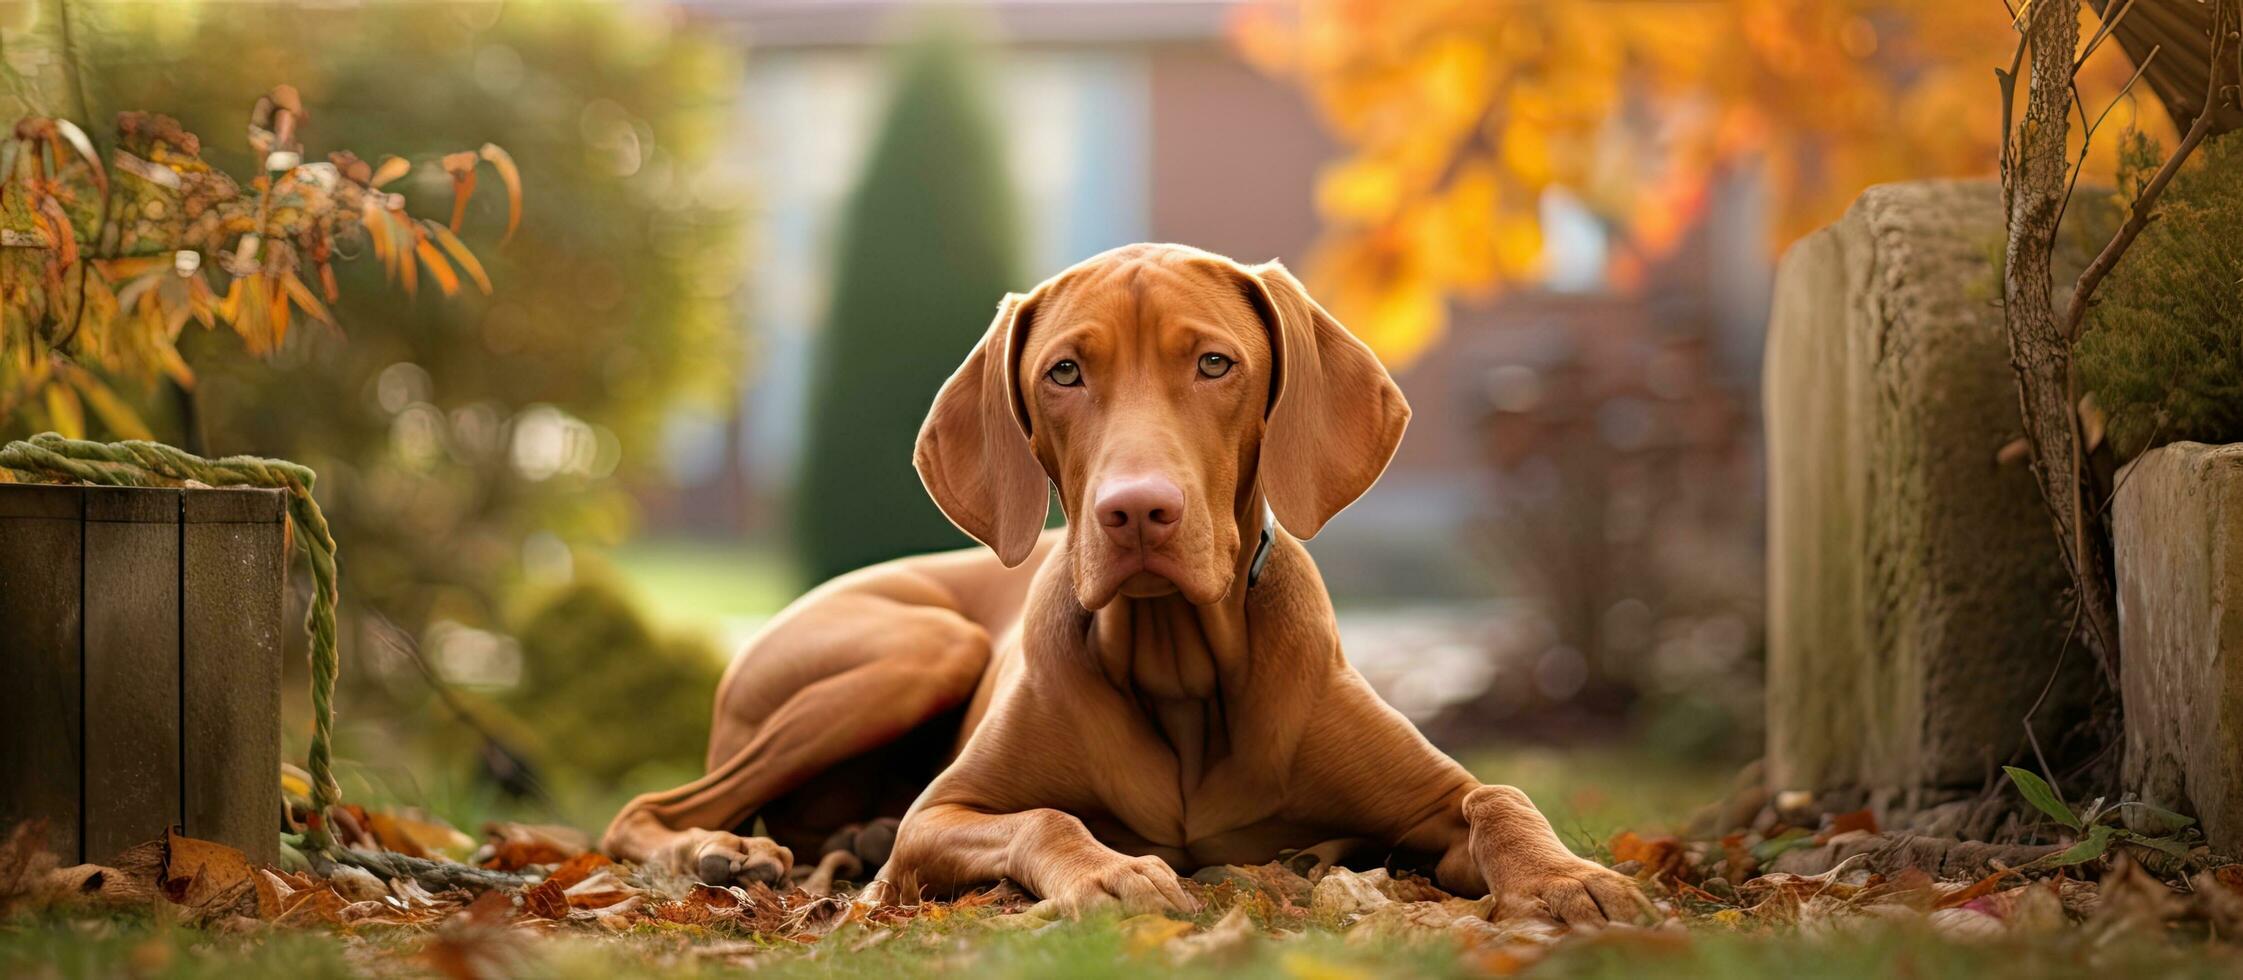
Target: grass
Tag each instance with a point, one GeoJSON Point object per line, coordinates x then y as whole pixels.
{"type": "Point", "coordinates": [1589, 793]}
{"type": "Point", "coordinates": [139, 946]}
{"type": "Point", "coordinates": [1593, 792]}
{"type": "Point", "coordinates": [122, 945]}
{"type": "Point", "coordinates": [144, 946]}
{"type": "Point", "coordinates": [721, 589]}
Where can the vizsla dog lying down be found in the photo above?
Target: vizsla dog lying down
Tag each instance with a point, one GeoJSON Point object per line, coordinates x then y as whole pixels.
{"type": "Point", "coordinates": [1156, 687]}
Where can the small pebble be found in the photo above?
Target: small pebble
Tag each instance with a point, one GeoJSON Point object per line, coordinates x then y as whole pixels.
{"type": "Point", "coordinates": [1795, 803]}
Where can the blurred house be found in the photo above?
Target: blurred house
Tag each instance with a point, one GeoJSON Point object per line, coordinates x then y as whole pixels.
{"type": "Point", "coordinates": [1135, 121]}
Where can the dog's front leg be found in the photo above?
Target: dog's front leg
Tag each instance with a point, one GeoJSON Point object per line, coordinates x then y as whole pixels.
{"type": "Point", "coordinates": [1047, 852]}
{"type": "Point", "coordinates": [1506, 846]}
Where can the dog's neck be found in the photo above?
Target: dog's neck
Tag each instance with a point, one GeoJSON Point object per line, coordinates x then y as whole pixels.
{"type": "Point", "coordinates": [1167, 648]}
{"type": "Point", "coordinates": [1164, 648]}
{"type": "Point", "coordinates": [1184, 664]}
{"type": "Point", "coordinates": [1189, 668]}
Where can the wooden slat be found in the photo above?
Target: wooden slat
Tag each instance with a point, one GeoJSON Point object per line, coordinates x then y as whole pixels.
{"type": "Point", "coordinates": [232, 585]}
{"type": "Point", "coordinates": [2180, 32]}
{"type": "Point", "coordinates": [41, 500]}
{"type": "Point", "coordinates": [234, 505]}
{"type": "Point", "coordinates": [41, 715]}
{"type": "Point", "coordinates": [132, 707]}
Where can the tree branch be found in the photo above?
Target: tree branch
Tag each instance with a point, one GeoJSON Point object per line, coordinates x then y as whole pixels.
{"type": "Point", "coordinates": [2103, 32]}
{"type": "Point", "coordinates": [2037, 186]}
{"type": "Point", "coordinates": [2139, 215]}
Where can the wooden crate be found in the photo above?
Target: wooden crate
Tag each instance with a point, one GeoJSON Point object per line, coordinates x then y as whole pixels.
{"type": "Point", "coordinates": [141, 633]}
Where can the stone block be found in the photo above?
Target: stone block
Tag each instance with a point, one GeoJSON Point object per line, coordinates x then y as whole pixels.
{"type": "Point", "coordinates": [2177, 532]}
{"type": "Point", "coordinates": [1916, 595]}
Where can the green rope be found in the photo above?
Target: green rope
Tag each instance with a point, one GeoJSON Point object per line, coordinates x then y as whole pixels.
{"type": "Point", "coordinates": [148, 464]}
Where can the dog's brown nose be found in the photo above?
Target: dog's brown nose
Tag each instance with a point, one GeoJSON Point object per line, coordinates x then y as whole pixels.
{"type": "Point", "coordinates": [1140, 511]}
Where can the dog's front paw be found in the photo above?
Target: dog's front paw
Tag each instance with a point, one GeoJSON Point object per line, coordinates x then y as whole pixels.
{"type": "Point", "coordinates": [1529, 870]}
{"type": "Point", "coordinates": [1134, 885]}
{"type": "Point", "coordinates": [722, 858]}
{"type": "Point", "coordinates": [1577, 892]}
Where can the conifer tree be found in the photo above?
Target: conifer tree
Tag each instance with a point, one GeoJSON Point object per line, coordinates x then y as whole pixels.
{"type": "Point", "coordinates": [926, 250]}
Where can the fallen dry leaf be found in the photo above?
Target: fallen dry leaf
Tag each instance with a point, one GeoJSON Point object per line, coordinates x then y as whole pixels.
{"type": "Point", "coordinates": [392, 837]}
{"type": "Point", "coordinates": [1660, 856]}
{"type": "Point", "coordinates": [412, 832]}
{"type": "Point", "coordinates": [24, 864]}
{"type": "Point", "coordinates": [1845, 823]}
{"type": "Point", "coordinates": [716, 896]}
{"type": "Point", "coordinates": [515, 846]}
{"type": "Point", "coordinates": [1277, 882]}
{"type": "Point", "coordinates": [1979, 889]}
{"type": "Point", "coordinates": [1342, 895]}
{"type": "Point", "coordinates": [1229, 940]}
{"type": "Point", "coordinates": [2134, 902]}
{"type": "Point", "coordinates": [545, 900]}
{"type": "Point", "coordinates": [578, 868]}
{"type": "Point", "coordinates": [1143, 934]}
{"type": "Point", "coordinates": [208, 877]}
{"type": "Point", "coordinates": [475, 944]}
{"type": "Point", "coordinates": [357, 884]}
{"type": "Point", "coordinates": [600, 890]}
{"type": "Point", "coordinates": [97, 884]}
{"type": "Point", "coordinates": [2219, 898]}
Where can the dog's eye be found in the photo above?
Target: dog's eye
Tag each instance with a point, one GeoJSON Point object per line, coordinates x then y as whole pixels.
{"type": "Point", "coordinates": [1214, 365]}
{"type": "Point", "coordinates": [1066, 374]}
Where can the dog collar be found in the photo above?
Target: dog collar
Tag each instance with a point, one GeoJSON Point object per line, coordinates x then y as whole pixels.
{"type": "Point", "coordinates": [1261, 551]}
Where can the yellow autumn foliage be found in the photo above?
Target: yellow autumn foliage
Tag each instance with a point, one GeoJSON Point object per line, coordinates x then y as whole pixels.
{"type": "Point", "coordinates": [1458, 115]}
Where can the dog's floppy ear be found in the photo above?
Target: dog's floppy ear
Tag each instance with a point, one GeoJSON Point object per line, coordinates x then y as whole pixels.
{"type": "Point", "coordinates": [973, 453]}
{"type": "Point", "coordinates": [1335, 416]}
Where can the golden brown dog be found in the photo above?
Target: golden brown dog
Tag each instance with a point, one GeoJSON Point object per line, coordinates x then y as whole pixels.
{"type": "Point", "coordinates": [1156, 687]}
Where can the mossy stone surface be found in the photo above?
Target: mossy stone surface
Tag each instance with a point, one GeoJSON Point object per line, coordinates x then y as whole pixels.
{"type": "Point", "coordinates": [2177, 536]}
{"type": "Point", "coordinates": [1916, 595]}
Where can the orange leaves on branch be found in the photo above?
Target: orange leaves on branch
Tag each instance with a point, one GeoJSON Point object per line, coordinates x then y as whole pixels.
{"type": "Point", "coordinates": [512, 178]}
{"type": "Point", "coordinates": [438, 269]}
{"type": "Point", "coordinates": [391, 169]}
{"type": "Point", "coordinates": [102, 274]}
{"type": "Point", "coordinates": [1461, 120]}
{"type": "Point", "coordinates": [462, 168]}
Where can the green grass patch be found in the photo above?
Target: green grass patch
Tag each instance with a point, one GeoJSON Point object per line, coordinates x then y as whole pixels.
{"type": "Point", "coordinates": [1593, 792]}
{"type": "Point", "coordinates": [707, 587]}
{"type": "Point", "coordinates": [140, 945]}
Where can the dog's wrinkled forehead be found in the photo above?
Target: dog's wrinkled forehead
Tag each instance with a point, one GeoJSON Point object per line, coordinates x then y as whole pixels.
{"type": "Point", "coordinates": [1146, 285]}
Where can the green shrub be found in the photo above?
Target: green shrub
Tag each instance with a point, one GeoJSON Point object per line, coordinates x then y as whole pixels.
{"type": "Point", "coordinates": [2163, 348]}
{"type": "Point", "coordinates": [615, 304]}
{"type": "Point", "coordinates": [612, 703]}
{"type": "Point", "coordinates": [926, 251]}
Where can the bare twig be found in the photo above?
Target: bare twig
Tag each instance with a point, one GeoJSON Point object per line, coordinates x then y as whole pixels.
{"type": "Point", "coordinates": [2032, 738]}
{"type": "Point", "coordinates": [2087, 141]}
{"type": "Point", "coordinates": [432, 875]}
{"type": "Point", "coordinates": [2140, 213]}
{"type": "Point", "coordinates": [2128, 474]}
{"type": "Point", "coordinates": [2109, 25]}
{"type": "Point", "coordinates": [2078, 471]}
{"type": "Point", "coordinates": [497, 751]}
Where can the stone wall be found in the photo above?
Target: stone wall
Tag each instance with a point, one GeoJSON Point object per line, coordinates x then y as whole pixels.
{"type": "Point", "coordinates": [1915, 589]}
{"type": "Point", "coordinates": [2178, 534]}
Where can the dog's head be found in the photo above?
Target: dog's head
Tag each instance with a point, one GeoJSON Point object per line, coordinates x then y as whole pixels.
{"type": "Point", "coordinates": [1158, 387]}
